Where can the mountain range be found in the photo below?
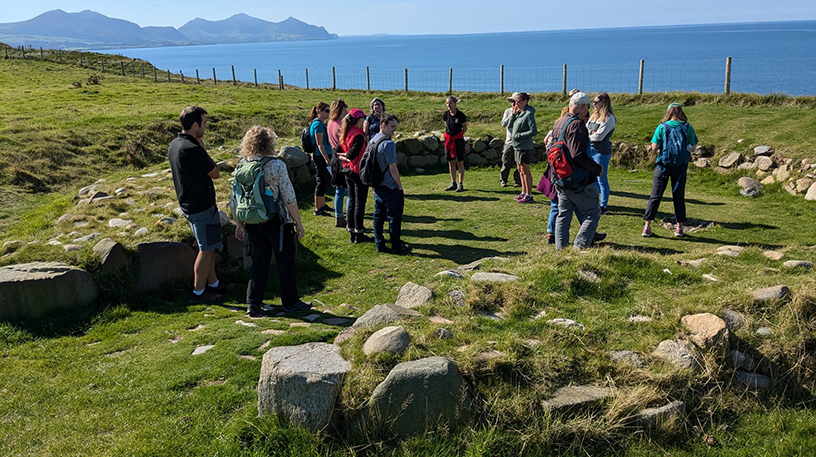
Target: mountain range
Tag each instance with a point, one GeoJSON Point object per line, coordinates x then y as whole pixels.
{"type": "Point", "coordinates": [91, 30]}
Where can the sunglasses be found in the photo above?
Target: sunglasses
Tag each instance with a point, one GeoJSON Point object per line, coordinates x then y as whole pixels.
{"type": "Point", "coordinates": [326, 110]}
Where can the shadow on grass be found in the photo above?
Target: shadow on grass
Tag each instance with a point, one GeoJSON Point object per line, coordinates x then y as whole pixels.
{"type": "Point", "coordinates": [460, 235]}
{"type": "Point", "coordinates": [458, 254]}
{"type": "Point", "coordinates": [666, 198]}
{"type": "Point", "coordinates": [411, 219]}
{"type": "Point", "coordinates": [454, 197]}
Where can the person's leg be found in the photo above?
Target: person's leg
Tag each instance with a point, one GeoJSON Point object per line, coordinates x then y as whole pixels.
{"type": "Point", "coordinates": [461, 166]}
{"type": "Point", "coordinates": [678, 182]}
{"type": "Point", "coordinates": [526, 179]}
{"type": "Point", "coordinates": [563, 219]}
{"type": "Point", "coordinates": [206, 227]}
{"type": "Point", "coordinates": [506, 160]}
{"type": "Point", "coordinates": [659, 181]}
{"type": "Point", "coordinates": [586, 201]}
{"type": "Point", "coordinates": [285, 259]}
{"type": "Point", "coordinates": [452, 170]}
{"type": "Point", "coordinates": [352, 201]}
{"type": "Point", "coordinates": [202, 269]}
{"type": "Point", "coordinates": [552, 216]}
{"type": "Point", "coordinates": [395, 205]}
{"type": "Point", "coordinates": [378, 220]}
{"type": "Point", "coordinates": [260, 241]}
{"type": "Point", "coordinates": [603, 179]}
{"type": "Point", "coordinates": [339, 195]}
{"type": "Point", "coordinates": [359, 208]}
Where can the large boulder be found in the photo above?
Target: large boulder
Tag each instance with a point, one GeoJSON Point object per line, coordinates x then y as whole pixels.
{"type": "Point", "coordinates": [299, 384]}
{"type": "Point", "coordinates": [811, 193]}
{"type": "Point", "coordinates": [430, 143]}
{"type": "Point", "coordinates": [293, 157]}
{"type": "Point", "coordinates": [412, 295]}
{"type": "Point", "coordinates": [420, 396]}
{"type": "Point", "coordinates": [764, 163]}
{"type": "Point", "coordinates": [112, 256]}
{"type": "Point", "coordinates": [412, 146]}
{"type": "Point", "coordinates": [31, 290]}
{"type": "Point", "coordinates": [164, 261]}
{"type": "Point", "coordinates": [475, 160]}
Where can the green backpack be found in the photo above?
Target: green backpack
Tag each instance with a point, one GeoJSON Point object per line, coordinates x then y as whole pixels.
{"type": "Point", "coordinates": [254, 200]}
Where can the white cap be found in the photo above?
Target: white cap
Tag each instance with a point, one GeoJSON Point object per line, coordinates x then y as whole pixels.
{"type": "Point", "coordinates": [579, 98]}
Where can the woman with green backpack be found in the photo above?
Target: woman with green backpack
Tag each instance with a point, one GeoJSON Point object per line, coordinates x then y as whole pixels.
{"type": "Point", "coordinates": [673, 139]}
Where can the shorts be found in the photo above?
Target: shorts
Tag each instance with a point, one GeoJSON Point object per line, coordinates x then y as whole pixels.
{"type": "Point", "coordinates": [525, 156]}
{"type": "Point", "coordinates": [206, 227]}
{"type": "Point", "coordinates": [458, 152]}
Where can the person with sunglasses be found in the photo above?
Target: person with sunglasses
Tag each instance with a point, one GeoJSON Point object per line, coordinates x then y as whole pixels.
{"type": "Point", "coordinates": [320, 139]}
{"type": "Point", "coordinates": [601, 125]}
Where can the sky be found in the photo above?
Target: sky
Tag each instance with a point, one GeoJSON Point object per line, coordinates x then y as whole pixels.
{"type": "Point", "coordinates": [421, 17]}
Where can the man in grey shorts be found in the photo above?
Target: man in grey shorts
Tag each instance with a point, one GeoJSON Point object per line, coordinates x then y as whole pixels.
{"type": "Point", "coordinates": [193, 174]}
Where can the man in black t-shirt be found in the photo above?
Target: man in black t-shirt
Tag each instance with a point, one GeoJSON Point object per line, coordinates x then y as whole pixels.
{"type": "Point", "coordinates": [193, 174]}
{"type": "Point", "coordinates": [455, 128]}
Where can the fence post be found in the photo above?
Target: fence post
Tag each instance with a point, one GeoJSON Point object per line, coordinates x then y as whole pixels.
{"type": "Point", "coordinates": [182, 76]}
{"type": "Point", "coordinates": [282, 85]}
{"type": "Point", "coordinates": [450, 80]}
{"type": "Point", "coordinates": [5, 48]}
{"type": "Point", "coordinates": [215, 81]}
{"type": "Point", "coordinates": [406, 80]}
{"type": "Point", "coordinates": [233, 74]}
{"type": "Point", "coordinates": [142, 69]}
{"type": "Point", "coordinates": [132, 68]}
{"type": "Point", "coordinates": [155, 75]}
{"type": "Point", "coordinates": [368, 79]}
{"type": "Point", "coordinates": [198, 80]}
{"type": "Point", "coordinates": [334, 80]}
{"type": "Point", "coordinates": [280, 80]}
{"type": "Point", "coordinates": [564, 86]}
{"type": "Point", "coordinates": [60, 55]}
{"type": "Point", "coordinates": [122, 64]}
{"type": "Point", "coordinates": [80, 58]}
{"type": "Point", "coordinates": [168, 75]}
{"type": "Point", "coordinates": [24, 53]}
{"type": "Point", "coordinates": [501, 80]}
{"type": "Point", "coordinates": [307, 79]}
{"type": "Point", "coordinates": [640, 79]}
{"type": "Point", "coordinates": [255, 73]}
{"type": "Point", "coordinates": [41, 53]}
{"type": "Point", "coordinates": [727, 76]}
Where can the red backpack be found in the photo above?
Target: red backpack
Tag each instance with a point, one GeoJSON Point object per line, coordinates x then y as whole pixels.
{"type": "Point", "coordinates": [567, 174]}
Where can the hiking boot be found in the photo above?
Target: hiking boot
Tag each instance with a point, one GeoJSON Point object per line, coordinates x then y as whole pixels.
{"type": "Point", "coordinates": [598, 237]}
{"type": "Point", "coordinates": [604, 210]}
{"type": "Point", "coordinates": [400, 249]}
{"type": "Point", "coordinates": [678, 232]}
{"type": "Point", "coordinates": [340, 222]}
{"type": "Point", "coordinates": [550, 238]}
{"type": "Point", "coordinates": [647, 232]}
{"type": "Point", "coordinates": [206, 298]}
{"type": "Point", "coordinates": [222, 288]}
{"type": "Point", "coordinates": [299, 306]}
{"type": "Point", "coordinates": [321, 212]}
{"type": "Point", "coordinates": [527, 199]}
{"type": "Point", "coordinates": [460, 188]}
{"type": "Point", "coordinates": [451, 187]}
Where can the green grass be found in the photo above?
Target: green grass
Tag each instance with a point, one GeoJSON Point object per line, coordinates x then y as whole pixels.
{"type": "Point", "coordinates": [117, 378]}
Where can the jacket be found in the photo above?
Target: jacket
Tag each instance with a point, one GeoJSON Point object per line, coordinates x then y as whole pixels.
{"type": "Point", "coordinates": [523, 128]}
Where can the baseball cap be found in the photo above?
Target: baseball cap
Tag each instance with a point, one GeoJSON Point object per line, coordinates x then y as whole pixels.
{"type": "Point", "coordinates": [673, 105]}
{"type": "Point", "coordinates": [579, 98]}
{"type": "Point", "coordinates": [518, 96]}
{"type": "Point", "coordinates": [356, 113]}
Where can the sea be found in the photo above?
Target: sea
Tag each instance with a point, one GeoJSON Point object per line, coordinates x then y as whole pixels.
{"type": "Point", "coordinates": [765, 58]}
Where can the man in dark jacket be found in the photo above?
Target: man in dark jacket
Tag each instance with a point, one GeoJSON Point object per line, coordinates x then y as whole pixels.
{"type": "Point", "coordinates": [582, 196]}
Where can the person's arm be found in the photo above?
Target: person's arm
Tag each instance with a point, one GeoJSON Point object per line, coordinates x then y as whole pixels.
{"type": "Point", "coordinates": [531, 132]}
{"type": "Point", "coordinates": [366, 126]}
{"type": "Point", "coordinates": [356, 147]}
{"type": "Point", "coordinates": [320, 146]}
{"type": "Point", "coordinates": [505, 122]}
{"type": "Point", "coordinates": [464, 127]}
{"type": "Point", "coordinates": [603, 130]}
{"type": "Point", "coordinates": [395, 174]}
{"type": "Point", "coordinates": [215, 173]}
{"type": "Point", "coordinates": [577, 139]}
{"type": "Point", "coordinates": [292, 208]}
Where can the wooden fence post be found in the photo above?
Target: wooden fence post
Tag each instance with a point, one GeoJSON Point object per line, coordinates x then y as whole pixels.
{"type": "Point", "coordinates": [307, 79]}
{"type": "Point", "coordinates": [168, 75]}
{"type": "Point", "coordinates": [727, 76]}
{"type": "Point", "coordinates": [182, 76]}
{"type": "Point", "coordinates": [198, 80]}
{"type": "Point", "coordinates": [155, 75]}
{"type": "Point", "coordinates": [233, 75]}
{"type": "Point", "coordinates": [368, 79]}
{"type": "Point", "coordinates": [282, 85]}
{"type": "Point", "coordinates": [450, 80]}
{"type": "Point", "coordinates": [640, 78]}
{"type": "Point", "coordinates": [501, 80]}
{"type": "Point", "coordinates": [132, 68]}
{"type": "Point", "coordinates": [255, 73]}
{"type": "Point", "coordinates": [280, 80]}
{"type": "Point", "coordinates": [564, 87]}
{"type": "Point", "coordinates": [215, 81]}
{"type": "Point", "coordinates": [41, 53]}
{"type": "Point", "coordinates": [406, 80]}
{"type": "Point", "coordinates": [122, 64]}
{"type": "Point", "coordinates": [5, 48]}
{"type": "Point", "coordinates": [24, 53]}
{"type": "Point", "coordinates": [334, 80]}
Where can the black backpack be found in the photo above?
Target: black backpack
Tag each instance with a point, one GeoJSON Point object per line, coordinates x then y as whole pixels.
{"type": "Point", "coordinates": [306, 142]}
{"type": "Point", "coordinates": [370, 172]}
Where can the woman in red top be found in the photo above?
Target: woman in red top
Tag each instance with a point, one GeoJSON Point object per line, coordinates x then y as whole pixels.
{"type": "Point", "coordinates": [352, 143]}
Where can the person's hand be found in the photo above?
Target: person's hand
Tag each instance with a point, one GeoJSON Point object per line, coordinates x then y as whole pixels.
{"type": "Point", "coordinates": [516, 108]}
{"type": "Point", "coordinates": [239, 232]}
{"type": "Point", "coordinates": [300, 231]}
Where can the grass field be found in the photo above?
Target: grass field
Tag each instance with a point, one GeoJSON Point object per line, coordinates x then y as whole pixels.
{"type": "Point", "coordinates": [118, 378]}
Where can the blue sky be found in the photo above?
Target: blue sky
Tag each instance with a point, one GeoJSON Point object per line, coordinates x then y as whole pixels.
{"type": "Point", "coordinates": [433, 16]}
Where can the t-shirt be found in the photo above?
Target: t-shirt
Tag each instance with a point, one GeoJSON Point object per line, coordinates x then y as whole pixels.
{"type": "Point", "coordinates": [333, 128]}
{"type": "Point", "coordinates": [453, 122]}
{"type": "Point", "coordinates": [190, 164]}
{"type": "Point", "coordinates": [691, 136]}
{"type": "Point", "coordinates": [373, 125]}
{"type": "Point", "coordinates": [319, 127]}
{"type": "Point", "coordinates": [386, 155]}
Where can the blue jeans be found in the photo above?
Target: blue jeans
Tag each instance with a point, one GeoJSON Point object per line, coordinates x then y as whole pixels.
{"type": "Point", "coordinates": [340, 195]}
{"type": "Point", "coordinates": [388, 204]}
{"type": "Point", "coordinates": [554, 213]}
{"type": "Point", "coordinates": [603, 180]}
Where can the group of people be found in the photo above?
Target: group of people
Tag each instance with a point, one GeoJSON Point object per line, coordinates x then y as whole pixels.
{"type": "Point", "coordinates": [340, 148]}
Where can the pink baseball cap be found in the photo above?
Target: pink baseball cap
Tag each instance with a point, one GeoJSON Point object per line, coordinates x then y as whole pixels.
{"type": "Point", "coordinates": [356, 113]}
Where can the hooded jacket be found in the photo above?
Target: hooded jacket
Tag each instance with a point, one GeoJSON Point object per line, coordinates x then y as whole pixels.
{"type": "Point", "coordinates": [523, 128]}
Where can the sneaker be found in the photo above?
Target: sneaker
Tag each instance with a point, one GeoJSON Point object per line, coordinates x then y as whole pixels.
{"type": "Point", "coordinates": [519, 196]}
{"type": "Point", "coordinates": [340, 222]}
{"type": "Point", "coordinates": [321, 212]}
{"type": "Point", "coordinates": [550, 238]}
{"type": "Point", "coordinates": [206, 298]}
{"type": "Point", "coordinates": [679, 231]}
{"type": "Point", "coordinates": [299, 306]}
{"type": "Point", "coordinates": [222, 288]}
{"type": "Point", "coordinates": [327, 208]}
{"type": "Point", "coordinates": [460, 188]}
{"type": "Point", "coordinates": [527, 199]}
{"type": "Point", "coordinates": [503, 183]}
{"type": "Point", "coordinates": [256, 311]}
{"type": "Point", "coordinates": [604, 210]}
{"type": "Point", "coordinates": [518, 184]}
{"type": "Point", "coordinates": [599, 236]}
{"type": "Point", "coordinates": [647, 232]}
{"type": "Point", "coordinates": [400, 249]}
{"type": "Point", "coordinates": [363, 238]}
{"type": "Point", "coordinates": [451, 187]}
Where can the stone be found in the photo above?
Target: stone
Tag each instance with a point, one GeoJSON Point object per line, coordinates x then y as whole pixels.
{"type": "Point", "coordinates": [293, 157]}
{"type": "Point", "coordinates": [32, 290]}
{"type": "Point", "coordinates": [443, 333]}
{"type": "Point", "coordinates": [475, 160]}
{"type": "Point", "coordinates": [811, 193]}
{"type": "Point", "coordinates": [116, 222]}
{"type": "Point", "coordinates": [458, 298]}
{"type": "Point", "coordinates": [540, 315]}
{"type": "Point", "coordinates": [764, 163]}
{"type": "Point", "coordinates": [663, 417]}
{"type": "Point", "coordinates": [273, 332]}
{"type": "Point", "coordinates": [344, 335]}
{"type": "Point", "coordinates": [412, 295]}
{"type": "Point", "coordinates": [246, 324]}
{"type": "Point", "coordinates": [497, 144]}
{"type": "Point", "coordinates": [491, 155]}
{"type": "Point", "coordinates": [384, 314]}
{"type": "Point", "coordinates": [730, 160]}
{"type": "Point", "coordinates": [165, 221]}
{"type": "Point", "coordinates": [739, 359]}
{"type": "Point", "coordinates": [763, 150]}
{"type": "Point", "coordinates": [677, 353]}
{"type": "Point", "coordinates": [299, 384]}
{"type": "Point", "coordinates": [412, 146]}
{"type": "Point", "coordinates": [420, 396]}
{"type": "Point", "coordinates": [71, 247]}
{"type": "Point", "coordinates": [477, 263]}
{"type": "Point", "coordinates": [112, 256]}
{"type": "Point", "coordinates": [164, 261]}
{"type": "Point", "coordinates": [394, 340]}
{"type": "Point", "coordinates": [569, 323]}
{"type": "Point", "coordinates": [803, 264]}
{"type": "Point", "coordinates": [573, 399]}
{"type": "Point", "coordinates": [453, 274]}
{"type": "Point", "coordinates": [753, 381]}
{"type": "Point", "coordinates": [764, 331]}
{"type": "Point", "coordinates": [710, 277]}
{"type": "Point", "coordinates": [439, 320]}
{"type": "Point", "coordinates": [707, 331]}
{"type": "Point", "coordinates": [11, 246]}
{"type": "Point", "coordinates": [747, 166]}
{"type": "Point", "coordinates": [773, 294]}
{"type": "Point", "coordinates": [493, 277]}
{"type": "Point", "coordinates": [141, 232]}
{"type": "Point", "coordinates": [87, 191]}
{"type": "Point", "coordinates": [702, 162]}
{"type": "Point", "coordinates": [202, 349]}
{"type": "Point", "coordinates": [628, 357]}
{"type": "Point", "coordinates": [484, 358]}
{"type": "Point", "coordinates": [782, 173]}
{"type": "Point", "coordinates": [150, 175]}
{"type": "Point", "coordinates": [697, 263]}
{"type": "Point", "coordinates": [734, 320]}
{"type": "Point", "coordinates": [120, 192]}
{"type": "Point", "coordinates": [479, 146]}
{"type": "Point", "coordinates": [773, 255]}
{"type": "Point", "coordinates": [768, 180]}
{"type": "Point", "coordinates": [750, 187]}
{"type": "Point", "coordinates": [589, 276]}
{"type": "Point", "coordinates": [638, 319]}
{"type": "Point", "coordinates": [335, 321]}
{"type": "Point", "coordinates": [803, 184]}
{"type": "Point", "coordinates": [430, 143]}
{"type": "Point", "coordinates": [730, 251]}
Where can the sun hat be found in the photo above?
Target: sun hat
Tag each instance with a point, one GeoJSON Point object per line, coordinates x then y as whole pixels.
{"type": "Point", "coordinates": [518, 96]}
{"type": "Point", "coordinates": [579, 98]}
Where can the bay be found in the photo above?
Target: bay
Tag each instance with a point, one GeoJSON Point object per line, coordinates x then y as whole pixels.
{"type": "Point", "coordinates": [767, 58]}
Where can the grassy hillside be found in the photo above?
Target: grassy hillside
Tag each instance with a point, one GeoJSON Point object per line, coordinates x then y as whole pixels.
{"type": "Point", "coordinates": [118, 378]}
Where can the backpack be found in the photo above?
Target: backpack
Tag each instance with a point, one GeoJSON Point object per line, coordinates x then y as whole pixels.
{"type": "Point", "coordinates": [674, 152]}
{"type": "Point", "coordinates": [306, 142]}
{"type": "Point", "coordinates": [254, 201]}
{"type": "Point", "coordinates": [567, 175]}
{"type": "Point", "coordinates": [370, 172]}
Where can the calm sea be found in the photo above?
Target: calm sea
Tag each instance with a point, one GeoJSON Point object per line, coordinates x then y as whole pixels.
{"type": "Point", "coordinates": [777, 57]}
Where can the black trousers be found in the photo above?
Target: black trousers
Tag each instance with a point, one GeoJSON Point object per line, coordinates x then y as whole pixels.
{"type": "Point", "coordinates": [322, 178]}
{"type": "Point", "coordinates": [660, 180]}
{"type": "Point", "coordinates": [357, 197]}
{"type": "Point", "coordinates": [265, 240]}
